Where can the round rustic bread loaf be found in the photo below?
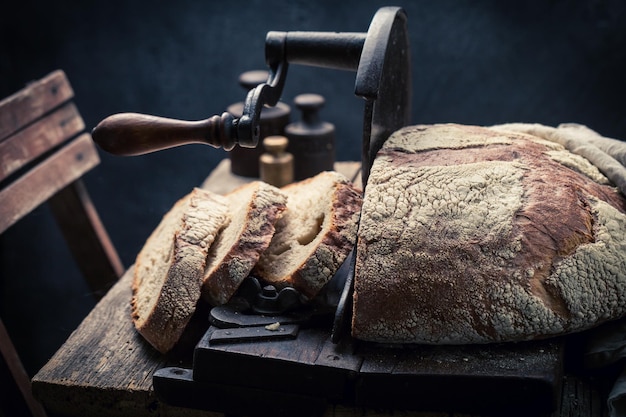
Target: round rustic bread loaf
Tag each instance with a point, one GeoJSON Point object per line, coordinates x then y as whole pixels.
{"type": "Point", "coordinates": [477, 235]}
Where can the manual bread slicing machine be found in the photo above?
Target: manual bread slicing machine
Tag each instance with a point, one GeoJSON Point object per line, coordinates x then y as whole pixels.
{"type": "Point", "coordinates": [240, 367]}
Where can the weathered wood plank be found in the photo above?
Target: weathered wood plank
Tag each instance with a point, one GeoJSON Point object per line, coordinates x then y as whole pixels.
{"type": "Point", "coordinates": [43, 181]}
{"type": "Point", "coordinates": [105, 367]}
{"type": "Point", "coordinates": [33, 101]}
{"type": "Point", "coordinates": [222, 181]}
{"type": "Point", "coordinates": [583, 396]}
{"type": "Point", "coordinates": [23, 147]}
{"type": "Point", "coordinates": [352, 171]}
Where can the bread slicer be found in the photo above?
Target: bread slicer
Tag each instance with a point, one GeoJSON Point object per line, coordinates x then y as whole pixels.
{"type": "Point", "coordinates": [246, 364]}
{"type": "Point", "coordinates": [381, 59]}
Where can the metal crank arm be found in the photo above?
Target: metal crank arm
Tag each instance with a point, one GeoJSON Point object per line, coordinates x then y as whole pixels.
{"type": "Point", "coordinates": [382, 79]}
{"type": "Point", "coordinates": [127, 134]}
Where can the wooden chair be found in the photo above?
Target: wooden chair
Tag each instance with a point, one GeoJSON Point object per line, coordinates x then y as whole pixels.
{"type": "Point", "coordinates": [44, 150]}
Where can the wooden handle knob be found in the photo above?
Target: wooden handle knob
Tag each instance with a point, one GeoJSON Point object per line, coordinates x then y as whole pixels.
{"type": "Point", "coordinates": [136, 134]}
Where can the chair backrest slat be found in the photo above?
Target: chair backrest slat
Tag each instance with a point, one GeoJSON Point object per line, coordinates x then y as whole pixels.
{"type": "Point", "coordinates": [27, 144]}
{"type": "Point", "coordinates": [33, 102]}
{"type": "Point", "coordinates": [41, 182]}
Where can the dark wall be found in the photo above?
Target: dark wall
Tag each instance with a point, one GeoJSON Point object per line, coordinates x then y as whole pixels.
{"type": "Point", "coordinates": [474, 62]}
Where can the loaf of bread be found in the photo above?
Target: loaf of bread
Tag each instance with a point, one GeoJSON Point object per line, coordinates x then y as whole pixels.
{"type": "Point", "coordinates": [254, 210]}
{"type": "Point", "coordinates": [315, 234]}
{"type": "Point", "coordinates": [169, 268]}
{"type": "Point", "coordinates": [477, 235]}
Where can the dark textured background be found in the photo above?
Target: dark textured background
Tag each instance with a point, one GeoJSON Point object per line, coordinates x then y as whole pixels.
{"type": "Point", "coordinates": [475, 62]}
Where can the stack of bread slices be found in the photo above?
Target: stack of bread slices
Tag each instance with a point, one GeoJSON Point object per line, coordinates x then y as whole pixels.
{"type": "Point", "coordinates": [207, 244]}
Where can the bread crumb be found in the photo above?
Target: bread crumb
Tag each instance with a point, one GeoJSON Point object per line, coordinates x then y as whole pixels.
{"type": "Point", "coordinates": [273, 327]}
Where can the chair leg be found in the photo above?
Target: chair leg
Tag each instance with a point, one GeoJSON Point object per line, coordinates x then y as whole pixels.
{"type": "Point", "coordinates": [16, 379]}
{"type": "Point", "coordinates": [93, 251]}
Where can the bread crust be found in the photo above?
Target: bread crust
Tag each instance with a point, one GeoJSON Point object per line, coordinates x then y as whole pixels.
{"type": "Point", "coordinates": [227, 267]}
{"type": "Point", "coordinates": [168, 270]}
{"type": "Point", "coordinates": [312, 274]}
{"type": "Point", "coordinates": [308, 263]}
{"type": "Point", "coordinates": [471, 235]}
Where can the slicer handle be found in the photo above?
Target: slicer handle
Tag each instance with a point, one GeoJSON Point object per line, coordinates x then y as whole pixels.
{"type": "Point", "coordinates": [136, 134]}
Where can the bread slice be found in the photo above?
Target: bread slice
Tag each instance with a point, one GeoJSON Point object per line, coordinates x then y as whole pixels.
{"type": "Point", "coordinates": [254, 209]}
{"type": "Point", "coordinates": [169, 268]}
{"type": "Point", "coordinates": [315, 234]}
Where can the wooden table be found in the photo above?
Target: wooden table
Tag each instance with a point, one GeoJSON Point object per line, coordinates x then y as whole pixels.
{"type": "Point", "coordinates": [106, 368]}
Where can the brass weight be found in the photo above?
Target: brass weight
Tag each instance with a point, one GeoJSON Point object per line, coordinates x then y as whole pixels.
{"type": "Point", "coordinates": [276, 164]}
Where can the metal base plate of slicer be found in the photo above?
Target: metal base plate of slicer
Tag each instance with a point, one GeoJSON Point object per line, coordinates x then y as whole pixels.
{"type": "Point", "coordinates": [297, 369]}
